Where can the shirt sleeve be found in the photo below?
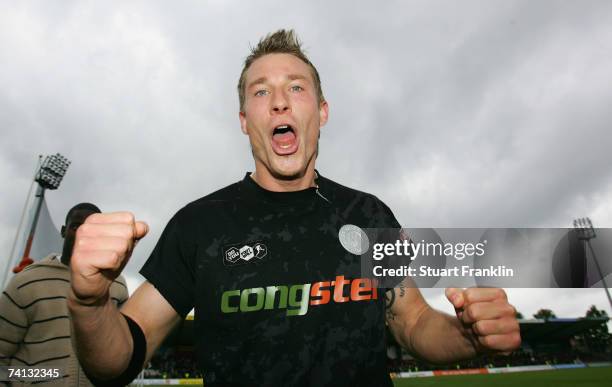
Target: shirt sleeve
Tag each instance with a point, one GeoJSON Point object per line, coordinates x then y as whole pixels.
{"type": "Point", "coordinates": [388, 218]}
{"type": "Point", "coordinates": [13, 322]}
{"type": "Point", "coordinates": [391, 231]}
{"type": "Point", "coordinates": [170, 268]}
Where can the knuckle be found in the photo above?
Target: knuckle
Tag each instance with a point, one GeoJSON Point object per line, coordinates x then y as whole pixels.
{"type": "Point", "coordinates": [127, 232]}
{"type": "Point", "coordinates": [469, 294]}
{"type": "Point", "coordinates": [115, 259]}
{"type": "Point", "coordinates": [472, 312]}
{"type": "Point", "coordinates": [76, 255]}
{"type": "Point", "coordinates": [125, 245]}
{"type": "Point", "coordinates": [82, 231]}
{"type": "Point", "coordinates": [493, 327]}
{"type": "Point", "coordinates": [129, 217]}
{"type": "Point", "coordinates": [486, 340]}
{"type": "Point", "coordinates": [503, 326]}
{"type": "Point", "coordinates": [510, 311]}
{"type": "Point", "coordinates": [514, 325]}
{"type": "Point", "coordinates": [501, 293]}
{"type": "Point", "coordinates": [91, 218]}
{"type": "Point", "coordinates": [81, 242]}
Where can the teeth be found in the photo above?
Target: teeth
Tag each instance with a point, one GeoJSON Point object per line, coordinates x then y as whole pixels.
{"type": "Point", "coordinates": [282, 127]}
{"type": "Point", "coordinates": [285, 146]}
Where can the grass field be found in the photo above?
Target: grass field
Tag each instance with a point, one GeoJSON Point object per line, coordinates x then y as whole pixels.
{"type": "Point", "coordinates": [583, 377]}
{"type": "Point", "coordinates": [558, 378]}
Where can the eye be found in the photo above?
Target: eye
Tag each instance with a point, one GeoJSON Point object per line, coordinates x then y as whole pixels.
{"type": "Point", "coordinates": [260, 93]}
{"type": "Point", "coordinates": [296, 88]}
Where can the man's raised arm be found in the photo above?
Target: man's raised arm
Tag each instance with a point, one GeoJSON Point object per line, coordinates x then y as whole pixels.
{"type": "Point", "coordinates": [111, 345]}
{"type": "Point", "coordinates": [484, 322]}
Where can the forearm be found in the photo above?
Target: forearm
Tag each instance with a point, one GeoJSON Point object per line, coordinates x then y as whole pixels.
{"type": "Point", "coordinates": [101, 337]}
{"type": "Point", "coordinates": [440, 338]}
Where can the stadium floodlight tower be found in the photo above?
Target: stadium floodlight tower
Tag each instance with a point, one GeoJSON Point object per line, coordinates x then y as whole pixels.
{"type": "Point", "coordinates": [49, 176]}
{"type": "Point", "coordinates": [586, 232]}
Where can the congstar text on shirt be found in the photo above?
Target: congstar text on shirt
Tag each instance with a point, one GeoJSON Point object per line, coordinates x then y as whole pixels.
{"type": "Point", "coordinates": [297, 298]}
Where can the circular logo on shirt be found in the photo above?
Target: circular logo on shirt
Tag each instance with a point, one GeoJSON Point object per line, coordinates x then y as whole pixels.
{"type": "Point", "coordinates": [353, 239]}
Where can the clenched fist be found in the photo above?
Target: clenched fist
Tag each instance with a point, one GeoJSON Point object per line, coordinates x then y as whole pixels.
{"type": "Point", "coordinates": [488, 315]}
{"type": "Point", "coordinates": [102, 248]}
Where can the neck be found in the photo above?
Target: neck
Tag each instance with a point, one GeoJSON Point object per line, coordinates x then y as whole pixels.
{"type": "Point", "coordinates": [266, 180]}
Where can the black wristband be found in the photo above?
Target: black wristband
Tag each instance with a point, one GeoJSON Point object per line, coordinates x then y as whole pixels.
{"type": "Point", "coordinates": [139, 351]}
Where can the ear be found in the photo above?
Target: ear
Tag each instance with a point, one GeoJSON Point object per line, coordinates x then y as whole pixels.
{"type": "Point", "coordinates": [243, 123]}
{"type": "Point", "coordinates": [323, 113]}
{"type": "Point", "coordinates": [63, 232]}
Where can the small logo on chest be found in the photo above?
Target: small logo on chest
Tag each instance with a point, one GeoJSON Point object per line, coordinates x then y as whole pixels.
{"type": "Point", "coordinates": [353, 239]}
{"type": "Point", "coordinates": [244, 253]}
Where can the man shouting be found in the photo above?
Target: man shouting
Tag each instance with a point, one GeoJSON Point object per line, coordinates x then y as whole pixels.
{"type": "Point", "coordinates": [277, 299]}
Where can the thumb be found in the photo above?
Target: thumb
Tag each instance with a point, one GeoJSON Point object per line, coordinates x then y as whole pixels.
{"type": "Point", "coordinates": [140, 230]}
{"type": "Point", "coordinates": [455, 296]}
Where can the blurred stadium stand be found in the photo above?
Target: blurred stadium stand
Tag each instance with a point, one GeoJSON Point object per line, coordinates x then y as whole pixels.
{"type": "Point", "coordinates": [552, 341]}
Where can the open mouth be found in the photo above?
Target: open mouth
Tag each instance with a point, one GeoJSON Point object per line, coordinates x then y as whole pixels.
{"type": "Point", "coordinates": [284, 140]}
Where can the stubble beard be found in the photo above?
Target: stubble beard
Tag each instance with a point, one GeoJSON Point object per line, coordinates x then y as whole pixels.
{"type": "Point", "coordinates": [287, 177]}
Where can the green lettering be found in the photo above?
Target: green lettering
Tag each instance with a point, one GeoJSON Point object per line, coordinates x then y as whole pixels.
{"type": "Point", "coordinates": [271, 292]}
{"type": "Point", "coordinates": [298, 307]}
{"type": "Point", "coordinates": [260, 294]}
{"type": "Point", "coordinates": [225, 306]}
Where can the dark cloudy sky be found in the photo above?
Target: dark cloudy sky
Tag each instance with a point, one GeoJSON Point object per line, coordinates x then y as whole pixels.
{"type": "Point", "coordinates": [456, 114]}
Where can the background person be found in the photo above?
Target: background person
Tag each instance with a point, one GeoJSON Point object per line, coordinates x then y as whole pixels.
{"type": "Point", "coordinates": [34, 322]}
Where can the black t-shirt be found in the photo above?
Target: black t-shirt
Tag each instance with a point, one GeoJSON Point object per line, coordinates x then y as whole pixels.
{"type": "Point", "coordinates": [278, 300]}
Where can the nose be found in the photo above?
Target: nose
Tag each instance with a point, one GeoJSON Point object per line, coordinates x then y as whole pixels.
{"type": "Point", "coordinates": [280, 103]}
